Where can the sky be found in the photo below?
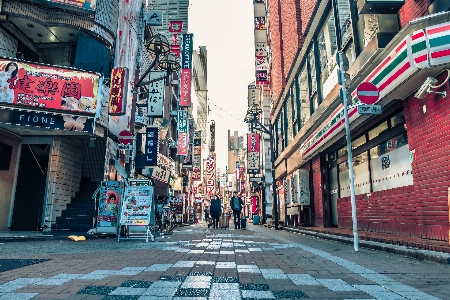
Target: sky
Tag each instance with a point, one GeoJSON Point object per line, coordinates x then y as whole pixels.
{"type": "Point", "coordinates": [226, 29]}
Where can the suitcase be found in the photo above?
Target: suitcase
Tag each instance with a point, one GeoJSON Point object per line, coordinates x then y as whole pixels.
{"type": "Point", "coordinates": [224, 222]}
{"type": "Point", "coordinates": [255, 220]}
{"type": "Point", "coordinates": [243, 223]}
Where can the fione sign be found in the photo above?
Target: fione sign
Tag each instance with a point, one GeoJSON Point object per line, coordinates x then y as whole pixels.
{"type": "Point", "coordinates": [47, 121]}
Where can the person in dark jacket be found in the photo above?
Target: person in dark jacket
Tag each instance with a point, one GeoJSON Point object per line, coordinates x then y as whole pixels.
{"type": "Point", "coordinates": [215, 210]}
{"type": "Point", "coordinates": [236, 204]}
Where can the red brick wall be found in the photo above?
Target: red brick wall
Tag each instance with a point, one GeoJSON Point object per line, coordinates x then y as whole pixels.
{"type": "Point", "coordinates": [411, 10]}
{"type": "Point", "coordinates": [277, 79]}
{"type": "Point", "coordinates": [421, 209]}
{"type": "Point", "coordinates": [291, 32]}
{"type": "Point", "coordinates": [318, 219]}
{"type": "Point", "coordinates": [306, 11]}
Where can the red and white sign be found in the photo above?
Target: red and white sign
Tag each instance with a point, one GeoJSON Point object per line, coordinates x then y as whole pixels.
{"type": "Point", "coordinates": [125, 137]}
{"type": "Point", "coordinates": [367, 93]}
{"type": "Point", "coordinates": [118, 91]}
{"type": "Point", "coordinates": [210, 174]}
{"type": "Point", "coordinates": [185, 90]}
{"type": "Point", "coordinates": [48, 87]}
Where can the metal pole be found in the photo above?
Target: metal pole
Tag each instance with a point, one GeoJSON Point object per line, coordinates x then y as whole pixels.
{"type": "Point", "coordinates": [349, 152]}
{"type": "Point", "coordinates": [274, 184]}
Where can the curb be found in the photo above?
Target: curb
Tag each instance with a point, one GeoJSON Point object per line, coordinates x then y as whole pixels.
{"type": "Point", "coordinates": [419, 254]}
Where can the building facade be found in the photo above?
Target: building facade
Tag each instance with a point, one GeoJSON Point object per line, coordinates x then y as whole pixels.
{"type": "Point", "coordinates": [400, 157]}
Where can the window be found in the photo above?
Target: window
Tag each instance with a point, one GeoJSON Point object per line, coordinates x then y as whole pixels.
{"type": "Point", "coordinates": [327, 48]}
{"type": "Point", "coordinates": [358, 142]}
{"type": "Point", "coordinates": [378, 130]}
{"type": "Point", "coordinates": [312, 68]}
{"type": "Point", "coordinates": [305, 110]}
{"type": "Point", "coordinates": [397, 119]}
{"type": "Point", "coordinates": [293, 92]}
{"type": "Point", "coordinates": [367, 28]}
{"type": "Point", "coordinates": [289, 118]}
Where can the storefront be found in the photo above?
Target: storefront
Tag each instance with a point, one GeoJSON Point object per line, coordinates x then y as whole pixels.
{"type": "Point", "coordinates": [50, 144]}
{"type": "Point", "coordinates": [400, 157]}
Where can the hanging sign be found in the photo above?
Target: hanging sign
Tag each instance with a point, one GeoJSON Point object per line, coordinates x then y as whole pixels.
{"type": "Point", "coordinates": [108, 205]}
{"type": "Point", "coordinates": [161, 174]}
{"type": "Point", "coordinates": [137, 205]}
{"type": "Point", "coordinates": [261, 77]}
{"type": "Point", "coordinates": [186, 70]}
{"type": "Point", "coordinates": [183, 132]}
{"type": "Point", "coordinates": [197, 155]}
{"type": "Point", "coordinates": [210, 174]}
{"type": "Point", "coordinates": [155, 101]}
{"type": "Point", "coordinates": [253, 94]}
{"type": "Point", "coordinates": [48, 87]}
{"type": "Point", "coordinates": [151, 146]}
{"type": "Point", "coordinates": [118, 92]}
{"type": "Point", "coordinates": [84, 4]}
{"type": "Point", "coordinates": [154, 18]}
{"type": "Point", "coordinates": [253, 149]}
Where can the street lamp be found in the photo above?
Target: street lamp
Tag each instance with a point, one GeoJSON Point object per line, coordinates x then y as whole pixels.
{"type": "Point", "coordinates": [253, 114]}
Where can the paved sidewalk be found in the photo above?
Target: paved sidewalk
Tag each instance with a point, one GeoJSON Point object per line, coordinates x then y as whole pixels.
{"type": "Point", "coordinates": [197, 263]}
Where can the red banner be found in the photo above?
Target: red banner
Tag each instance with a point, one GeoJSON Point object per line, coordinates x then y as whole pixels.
{"type": "Point", "coordinates": [185, 89]}
{"type": "Point", "coordinates": [253, 142]}
{"type": "Point", "coordinates": [48, 87]}
{"type": "Point", "coordinates": [183, 145]}
{"type": "Point", "coordinates": [118, 92]}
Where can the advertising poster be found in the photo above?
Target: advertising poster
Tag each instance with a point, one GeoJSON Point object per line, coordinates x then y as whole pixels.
{"type": "Point", "coordinates": [108, 206]}
{"type": "Point", "coordinates": [84, 4]}
{"type": "Point", "coordinates": [253, 149]}
{"type": "Point", "coordinates": [48, 87]}
{"type": "Point", "coordinates": [137, 205]}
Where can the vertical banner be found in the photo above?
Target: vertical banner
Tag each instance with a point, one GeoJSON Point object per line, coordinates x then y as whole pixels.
{"type": "Point", "coordinates": [197, 156]}
{"type": "Point", "coordinates": [155, 101]}
{"type": "Point", "coordinates": [253, 149]}
{"type": "Point", "coordinates": [210, 174]}
{"type": "Point", "coordinates": [212, 140]}
{"type": "Point", "coordinates": [183, 132]}
{"type": "Point", "coordinates": [260, 26]}
{"type": "Point", "coordinates": [253, 95]}
{"type": "Point", "coordinates": [118, 92]}
{"type": "Point", "coordinates": [186, 70]}
{"type": "Point", "coordinates": [108, 205]}
{"type": "Point", "coordinates": [187, 162]}
{"type": "Point", "coordinates": [151, 146]}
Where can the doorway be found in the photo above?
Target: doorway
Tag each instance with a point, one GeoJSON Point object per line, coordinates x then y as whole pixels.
{"type": "Point", "coordinates": [30, 189]}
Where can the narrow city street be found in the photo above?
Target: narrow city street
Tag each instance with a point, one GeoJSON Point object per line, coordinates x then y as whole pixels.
{"type": "Point", "coordinates": [197, 263]}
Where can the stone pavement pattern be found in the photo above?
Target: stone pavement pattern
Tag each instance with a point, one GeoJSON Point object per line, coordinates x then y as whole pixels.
{"type": "Point", "coordinates": [197, 263]}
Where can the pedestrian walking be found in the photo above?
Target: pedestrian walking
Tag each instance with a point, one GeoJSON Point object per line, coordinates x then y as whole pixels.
{"type": "Point", "coordinates": [236, 205]}
{"type": "Point", "coordinates": [206, 211]}
{"type": "Point", "coordinates": [215, 211]}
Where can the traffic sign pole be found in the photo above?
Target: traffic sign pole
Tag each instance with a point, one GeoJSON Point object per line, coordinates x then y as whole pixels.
{"type": "Point", "coordinates": [349, 153]}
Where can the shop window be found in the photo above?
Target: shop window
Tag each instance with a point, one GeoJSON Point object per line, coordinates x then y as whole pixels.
{"type": "Point", "coordinates": [342, 152]}
{"type": "Point", "coordinates": [361, 173]}
{"type": "Point", "coordinates": [344, 180]}
{"type": "Point", "coordinates": [359, 142]}
{"type": "Point", "coordinates": [378, 130]}
{"type": "Point", "coordinates": [327, 48]}
{"type": "Point", "coordinates": [397, 119]}
{"type": "Point", "coordinates": [305, 110]}
{"type": "Point", "coordinates": [5, 156]}
{"type": "Point", "coordinates": [390, 164]}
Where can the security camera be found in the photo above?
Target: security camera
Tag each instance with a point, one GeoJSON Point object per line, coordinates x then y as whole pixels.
{"type": "Point", "coordinates": [425, 88]}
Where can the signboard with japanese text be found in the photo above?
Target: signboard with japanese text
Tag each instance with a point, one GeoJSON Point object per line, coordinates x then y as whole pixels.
{"type": "Point", "coordinates": [48, 87]}
{"type": "Point", "coordinates": [155, 101]}
{"type": "Point", "coordinates": [186, 70]}
{"type": "Point", "coordinates": [260, 23]}
{"type": "Point", "coordinates": [253, 149]}
{"type": "Point", "coordinates": [191, 129]}
{"type": "Point", "coordinates": [210, 174]}
{"type": "Point", "coordinates": [261, 63]}
{"type": "Point", "coordinates": [137, 206]}
{"type": "Point", "coordinates": [253, 94]}
{"type": "Point", "coordinates": [261, 77]}
{"type": "Point", "coordinates": [118, 91]}
{"type": "Point", "coordinates": [83, 4]}
{"type": "Point", "coordinates": [151, 146]}
{"type": "Point", "coordinates": [260, 49]}
{"type": "Point", "coordinates": [47, 121]}
{"type": "Point", "coordinates": [183, 132]}
{"type": "Point", "coordinates": [176, 27]}
{"type": "Point", "coordinates": [108, 205]}
{"type": "Point", "coordinates": [154, 18]}
{"type": "Point", "coordinates": [197, 156]}
{"type": "Point", "coordinates": [187, 161]}
{"type": "Point", "coordinates": [161, 174]}
{"type": "Point", "coordinates": [212, 140]}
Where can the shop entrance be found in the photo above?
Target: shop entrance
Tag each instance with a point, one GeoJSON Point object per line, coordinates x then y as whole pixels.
{"type": "Point", "coordinates": [30, 189]}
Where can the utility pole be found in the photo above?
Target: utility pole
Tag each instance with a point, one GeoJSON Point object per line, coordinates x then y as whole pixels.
{"type": "Point", "coordinates": [343, 95]}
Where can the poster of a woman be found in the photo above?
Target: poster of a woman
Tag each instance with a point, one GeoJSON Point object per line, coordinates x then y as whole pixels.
{"type": "Point", "coordinates": [9, 73]}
